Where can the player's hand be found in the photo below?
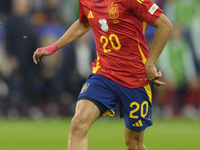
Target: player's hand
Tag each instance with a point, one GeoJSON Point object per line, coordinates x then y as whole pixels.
{"type": "Point", "coordinates": [39, 53]}
{"type": "Point", "coordinates": [153, 76]}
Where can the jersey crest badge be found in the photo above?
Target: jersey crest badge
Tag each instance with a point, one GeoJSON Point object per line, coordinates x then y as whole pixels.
{"type": "Point", "coordinates": [103, 24]}
{"type": "Point", "coordinates": [85, 87]}
{"type": "Point", "coordinates": [113, 11]}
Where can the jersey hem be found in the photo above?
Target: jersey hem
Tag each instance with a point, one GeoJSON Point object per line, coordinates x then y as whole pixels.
{"type": "Point", "coordinates": [138, 85]}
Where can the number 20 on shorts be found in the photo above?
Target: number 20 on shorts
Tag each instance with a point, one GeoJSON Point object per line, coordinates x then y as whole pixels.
{"type": "Point", "coordinates": [136, 107]}
{"type": "Point", "coordinates": [110, 39]}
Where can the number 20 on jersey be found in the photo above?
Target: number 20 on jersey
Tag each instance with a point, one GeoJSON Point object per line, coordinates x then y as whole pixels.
{"type": "Point", "coordinates": [108, 40]}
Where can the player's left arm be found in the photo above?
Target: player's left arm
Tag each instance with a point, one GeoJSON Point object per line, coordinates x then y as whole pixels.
{"type": "Point", "coordinates": [161, 37]}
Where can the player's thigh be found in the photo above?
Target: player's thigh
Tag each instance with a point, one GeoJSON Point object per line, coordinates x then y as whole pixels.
{"type": "Point", "coordinates": [85, 114]}
{"type": "Point", "coordinates": [101, 91]}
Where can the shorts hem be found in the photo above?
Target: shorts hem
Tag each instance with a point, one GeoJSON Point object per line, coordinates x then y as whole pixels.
{"type": "Point", "coordinates": [102, 108]}
{"type": "Point", "coordinates": [138, 129]}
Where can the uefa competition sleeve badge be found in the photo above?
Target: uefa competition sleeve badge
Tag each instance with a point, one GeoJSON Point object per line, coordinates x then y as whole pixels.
{"type": "Point", "coordinates": [153, 9]}
{"type": "Point", "coordinates": [103, 24]}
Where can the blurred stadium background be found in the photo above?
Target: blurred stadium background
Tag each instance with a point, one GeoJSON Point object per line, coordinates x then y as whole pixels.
{"type": "Point", "coordinates": [34, 98]}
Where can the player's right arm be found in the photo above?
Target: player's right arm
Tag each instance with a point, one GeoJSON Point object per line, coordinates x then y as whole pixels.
{"type": "Point", "coordinates": [74, 32]}
{"type": "Point", "coordinates": [164, 28]}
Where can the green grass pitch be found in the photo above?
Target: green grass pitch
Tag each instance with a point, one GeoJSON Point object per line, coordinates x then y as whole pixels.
{"type": "Point", "coordinates": [106, 134]}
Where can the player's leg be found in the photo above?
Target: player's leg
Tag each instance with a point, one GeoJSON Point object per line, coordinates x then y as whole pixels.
{"type": "Point", "coordinates": [134, 139]}
{"type": "Point", "coordinates": [135, 108]}
{"type": "Point", "coordinates": [95, 99]}
{"type": "Point", "coordinates": [85, 115]}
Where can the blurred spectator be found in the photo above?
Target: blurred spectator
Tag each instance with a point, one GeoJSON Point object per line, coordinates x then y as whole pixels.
{"type": "Point", "coordinates": [20, 43]}
{"type": "Point", "coordinates": [69, 11]}
{"type": "Point", "coordinates": [195, 32]}
{"type": "Point", "coordinates": [169, 10]}
{"type": "Point", "coordinates": [52, 84]}
{"type": "Point", "coordinates": [181, 11]}
{"type": "Point", "coordinates": [49, 86]}
{"type": "Point", "coordinates": [5, 72]}
{"type": "Point", "coordinates": [187, 14]}
{"type": "Point", "coordinates": [160, 3]}
{"type": "Point", "coordinates": [47, 11]}
{"type": "Point", "coordinates": [51, 10]}
{"type": "Point", "coordinates": [192, 103]}
{"type": "Point", "coordinates": [78, 59]}
{"type": "Point", "coordinates": [5, 6]}
{"type": "Point", "coordinates": [177, 65]}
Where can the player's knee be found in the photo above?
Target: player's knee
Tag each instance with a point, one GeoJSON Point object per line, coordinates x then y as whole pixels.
{"type": "Point", "coordinates": [131, 146]}
{"type": "Point", "coordinates": [79, 125]}
{"type": "Point", "coordinates": [134, 145]}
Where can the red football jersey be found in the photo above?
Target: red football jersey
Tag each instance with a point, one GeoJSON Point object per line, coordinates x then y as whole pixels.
{"type": "Point", "coordinates": [119, 27]}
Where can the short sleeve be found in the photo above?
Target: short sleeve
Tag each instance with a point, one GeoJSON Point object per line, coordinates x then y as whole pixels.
{"type": "Point", "coordinates": [82, 17]}
{"type": "Point", "coordinates": [146, 10]}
